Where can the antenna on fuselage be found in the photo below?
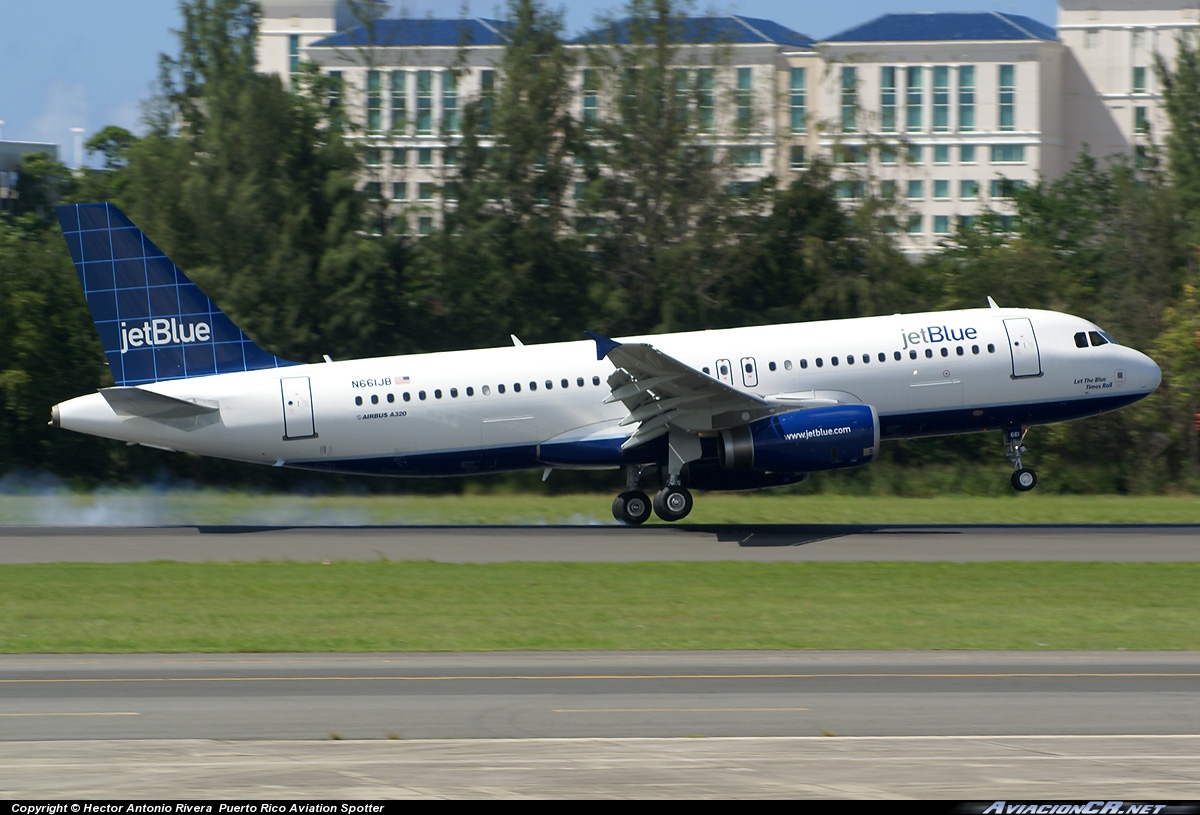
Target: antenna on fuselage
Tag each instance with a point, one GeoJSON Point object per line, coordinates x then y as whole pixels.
{"type": "Point", "coordinates": [991, 302]}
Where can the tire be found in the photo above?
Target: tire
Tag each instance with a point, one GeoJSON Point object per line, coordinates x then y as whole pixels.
{"type": "Point", "coordinates": [672, 503]}
{"type": "Point", "coordinates": [1024, 479]}
{"type": "Point", "coordinates": [631, 507]}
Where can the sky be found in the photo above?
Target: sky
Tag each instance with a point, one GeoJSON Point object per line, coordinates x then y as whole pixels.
{"type": "Point", "coordinates": [89, 64]}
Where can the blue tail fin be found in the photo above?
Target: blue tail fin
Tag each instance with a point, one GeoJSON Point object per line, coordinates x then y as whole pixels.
{"type": "Point", "coordinates": [154, 323]}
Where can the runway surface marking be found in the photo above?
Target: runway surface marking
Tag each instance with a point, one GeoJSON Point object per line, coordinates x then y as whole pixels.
{"type": "Point", "coordinates": [682, 710]}
{"type": "Point", "coordinates": [589, 677]}
{"type": "Point", "coordinates": [92, 713]}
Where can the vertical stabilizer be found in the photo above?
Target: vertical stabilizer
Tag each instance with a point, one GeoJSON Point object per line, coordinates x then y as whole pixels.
{"type": "Point", "coordinates": [154, 323]}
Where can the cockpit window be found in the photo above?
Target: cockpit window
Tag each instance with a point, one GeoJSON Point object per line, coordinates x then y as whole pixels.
{"type": "Point", "coordinates": [1097, 338]}
{"type": "Point", "coordinates": [1081, 340]}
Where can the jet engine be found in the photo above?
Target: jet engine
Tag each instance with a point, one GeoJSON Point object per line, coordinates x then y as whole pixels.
{"type": "Point", "coordinates": [826, 438]}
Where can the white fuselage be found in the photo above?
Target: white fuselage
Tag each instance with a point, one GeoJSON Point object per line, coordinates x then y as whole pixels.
{"type": "Point", "coordinates": [503, 408]}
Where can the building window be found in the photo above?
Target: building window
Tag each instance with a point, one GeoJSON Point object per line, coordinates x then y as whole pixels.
{"type": "Point", "coordinates": [335, 89]}
{"type": "Point", "coordinates": [966, 98]}
{"type": "Point", "coordinates": [912, 100]}
{"type": "Point", "coordinates": [916, 189]}
{"type": "Point", "coordinates": [424, 103]}
{"type": "Point", "coordinates": [399, 102]}
{"type": "Point", "coordinates": [373, 190]}
{"type": "Point", "coordinates": [941, 154]}
{"type": "Point", "coordinates": [797, 157]}
{"type": "Point", "coordinates": [941, 98]}
{"type": "Point", "coordinates": [425, 157]}
{"type": "Point", "coordinates": [1008, 95]}
{"type": "Point", "coordinates": [849, 98]}
{"type": "Point", "coordinates": [1008, 153]}
{"type": "Point", "coordinates": [887, 189]}
{"type": "Point", "coordinates": [914, 154]}
{"type": "Point", "coordinates": [374, 103]}
{"type": "Point", "coordinates": [968, 189]}
{"type": "Point", "coordinates": [293, 54]}
{"type": "Point", "coordinates": [1091, 38]}
{"type": "Point", "coordinates": [425, 226]}
{"type": "Point", "coordinates": [798, 100]}
{"type": "Point", "coordinates": [966, 154]}
{"type": "Point", "coordinates": [941, 188]}
{"type": "Point", "coordinates": [449, 102]}
{"type": "Point", "coordinates": [1141, 124]}
{"type": "Point", "coordinates": [425, 191]}
{"type": "Point", "coordinates": [399, 191]}
{"type": "Point", "coordinates": [704, 100]}
{"type": "Point", "coordinates": [965, 222]}
{"type": "Point", "coordinates": [914, 225]}
{"type": "Point", "coordinates": [399, 157]}
{"type": "Point", "coordinates": [1005, 187]}
{"type": "Point", "coordinates": [941, 224]}
{"type": "Point", "coordinates": [746, 156]}
{"type": "Point", "coordinates": [887, 154]}
{"type": "Point", "coordinates": [849, 189]}
{"type": "Point", "coordinates": [1139, 80]}
{"type": "Point", "coordinates": [487, 99]}
{"type": "Point", "coordinates": [374, 157]}
{"type": "Point", "coordinates": [742, 98]}
{"type": "Point", "coordinates": [887, 99]}
{"type": "Point", "coordinates": [591, 99]}
{"type": "Point", "coordinates": [850, 154]}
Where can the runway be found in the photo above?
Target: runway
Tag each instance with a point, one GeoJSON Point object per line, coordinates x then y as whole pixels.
{"type": "Point", "coordinates": [490, 544]}
{"type": "Point", "coordinates": [964, 725]}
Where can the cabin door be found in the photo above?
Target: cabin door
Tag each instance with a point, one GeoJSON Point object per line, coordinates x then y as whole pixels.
{"type": "Point", "coordinates": [297, 408]}
{"type": "Point", "coordinates": [1022, 344]}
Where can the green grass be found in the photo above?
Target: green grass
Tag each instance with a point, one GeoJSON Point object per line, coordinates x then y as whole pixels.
{"type": "Point", "coordinates": [420, 606]}
{"type": "Point", "coordinates": [213, 507]}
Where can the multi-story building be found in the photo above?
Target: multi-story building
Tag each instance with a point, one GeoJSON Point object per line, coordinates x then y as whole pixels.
{"type": "Point", "coordinates": [945, 114]}
{"type": "Point", "coordinates": [11, 153]}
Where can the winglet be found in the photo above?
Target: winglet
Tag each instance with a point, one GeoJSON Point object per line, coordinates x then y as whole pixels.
{"type": "Point", "coordinates": [604, 346]}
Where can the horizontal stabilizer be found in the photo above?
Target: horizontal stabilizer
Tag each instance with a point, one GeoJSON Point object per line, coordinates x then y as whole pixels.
{"type": "Point", "coordinates": [151, 405]}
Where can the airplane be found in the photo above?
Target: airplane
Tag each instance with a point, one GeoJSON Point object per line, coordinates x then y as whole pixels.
{"type": "Point", "coordinates": [727, 409]}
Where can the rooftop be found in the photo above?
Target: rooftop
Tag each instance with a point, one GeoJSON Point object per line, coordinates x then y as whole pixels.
{"type": "Point", "coordinates": [422, 32]}
{"type": "Point", "coordinates": [950, 25]}
{"type": "Point", "coordinates": [727, 29]}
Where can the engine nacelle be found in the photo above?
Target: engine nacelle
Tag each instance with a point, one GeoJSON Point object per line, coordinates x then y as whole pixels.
{"type": "Point", "coordinates": [804, 441]}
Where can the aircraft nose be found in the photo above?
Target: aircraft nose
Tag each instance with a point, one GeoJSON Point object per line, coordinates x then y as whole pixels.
{"type": "Point", "coordinates": [1149, 374]}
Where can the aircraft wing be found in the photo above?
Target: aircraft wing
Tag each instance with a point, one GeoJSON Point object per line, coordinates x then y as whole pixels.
{"type": "Point", "coordinates": [660, 392]}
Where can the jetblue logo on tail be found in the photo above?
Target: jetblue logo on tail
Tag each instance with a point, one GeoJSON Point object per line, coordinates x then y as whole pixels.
{"type": "Point", "coordinates": [163, 332]}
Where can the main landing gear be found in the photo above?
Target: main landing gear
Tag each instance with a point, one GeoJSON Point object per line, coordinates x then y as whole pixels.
{"type": "Point", "coordinates": [1023, 478]}
{"type": "Point", "coordinates": [672, 503]}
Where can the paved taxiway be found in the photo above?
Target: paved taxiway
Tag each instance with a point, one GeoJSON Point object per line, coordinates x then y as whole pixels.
{"type": "Point", "coordinates": [957, 725]}
{"type": "Point", "coordinates": [479, 544]}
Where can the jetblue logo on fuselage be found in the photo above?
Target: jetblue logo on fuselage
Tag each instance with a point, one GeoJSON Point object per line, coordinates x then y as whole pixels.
{"type": "Point", "coordinates": [163, 332]}
{"type": "Point", "coordinates": [937, 333]}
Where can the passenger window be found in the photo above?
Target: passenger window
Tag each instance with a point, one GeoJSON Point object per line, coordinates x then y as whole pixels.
{"type": "Point", "coordinates": [804, 363]}
{"type": "Point", "coordinates": [486, 390]}
{"type": "Point", "coordinates": [867, 358]}
{"type": "Point", "coordinates": [549, 384]}
{"type": "Point", "coordinates": [928, 353]}
{"type": "Point", "coordinates": [579, 381]}
{"type": "Point", "coordinates": [358, 400]}
{"type": "Point", "coordinates": [912, 353]}
{"type": "Point", "coordinates": [516, 387]}
{"type": "Point", "coordinates": [975, 349]}
{"type": "Point", "coordinates": [787, 365]}
{"type": "Point", "coordinates": [991, 348]}
{"type": "Point", "coordinates": [406, 396]}
{"type": "Point", "coordinates": [374, 399]}
{"type": "Point", "coordinates": [391, 397]}
{"type": "Point", "coordinates": [945, 351]}
{"type": "Point", "coordinates": [566, 383]}
{"type": "Point", "coordinates": [533, 386]}
{"type": "Point", "coordinates": [820, 363]}
{"type": "Point", "coordinates": [959, 350]}
{"type": "Point", "coordinates": [437, 393]}
{"type": "Point", "coordinates": [849, 359]}
{"type": "Point", "coordinates": [1081, 339]}
{"type": "Point", "coordinates": [499, 389]}
{"type": "Point", "coordinates": [454, 393]}
{"type": "Point", "coordinates": [470, 391]}
{"type": "Point", "coordinates": [595, 380]}
{"type": "Point", "coordinates": [421, 395]}
{"type": "Point", "coordinates": [705, 369]}
{"type": "Point", "coordinates": [770, 366]}
{"type": "Point", "coordinates": [897, 355]}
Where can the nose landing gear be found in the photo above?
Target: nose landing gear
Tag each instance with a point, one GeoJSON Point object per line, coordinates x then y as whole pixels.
{"type": "Point", "coordinates": [1023, 478]}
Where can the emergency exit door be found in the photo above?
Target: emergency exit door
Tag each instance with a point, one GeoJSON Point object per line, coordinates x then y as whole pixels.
{"type": "Point", "coordinates": [297, 408]}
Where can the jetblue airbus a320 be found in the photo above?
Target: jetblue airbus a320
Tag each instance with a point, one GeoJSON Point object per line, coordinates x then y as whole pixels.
{"type": "Point", "coordinates": [741, 408]}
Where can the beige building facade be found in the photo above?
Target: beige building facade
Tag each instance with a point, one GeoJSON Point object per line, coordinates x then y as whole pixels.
{"type": "Point", "coordinates": [944, 114]}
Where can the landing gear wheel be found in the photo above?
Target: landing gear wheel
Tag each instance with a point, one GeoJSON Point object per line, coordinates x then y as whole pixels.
{"type": "Point", "coordinates": [672, 503]}
{"type": "Point", "coordinates": [631, 507]}
{"type": "Point", "coordinates": [1024, 479]}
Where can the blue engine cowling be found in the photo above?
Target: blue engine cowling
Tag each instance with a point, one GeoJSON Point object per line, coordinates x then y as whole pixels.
{"type": "Point", "coordinates": [803, 441]}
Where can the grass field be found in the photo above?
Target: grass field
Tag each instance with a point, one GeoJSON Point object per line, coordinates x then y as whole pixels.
{"type": "Point", "coordinates": [421, 606]}
{"type": "Point", "coordinates": [147, 508]}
